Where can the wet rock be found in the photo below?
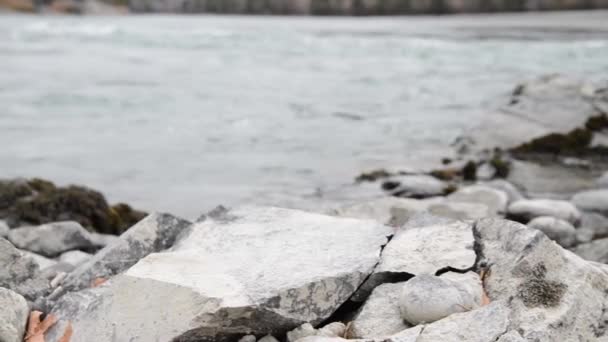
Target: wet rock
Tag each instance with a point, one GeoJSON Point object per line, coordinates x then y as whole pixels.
{"type": "Point", "coordinates": [428, 298]}
{"type": "Point", "coordinates": [557, 230]}
{"type": "Point", "coordinates": [592, 200]}
{"type": "Point", "coordinates": [40, 260]}
{"type": "Point", "coordinates": [541, 283]}
{"type": "Point", "coordinates": [74, 258]}
{"type": "Point", "coordinates": [595, 222]}
{"type": "Point", "coordinates": [51, 239]}
{"type": "Point", "coordinates": [379, 316]}
{"type": "Point", "coordinates": [155, 233]}
{"type": "Point", "coordinates": [20, 273]}
{"type": "Point", "coordinates": [4, 228]}
{"type": "Point", "coordinates": [594, 251]}
{"type": "Point", "coordinates": [512, 192]}
{"type": "Point", "coordinates": [268, 269]}
{"type": "Point", "coordinates": [13, 316]}
{"type": "Point", "coordinates": [526, 210]}
{"type": "Point", "coordinates": [495, 200]}
{"type": "Point", "coordinates": [415, 186]}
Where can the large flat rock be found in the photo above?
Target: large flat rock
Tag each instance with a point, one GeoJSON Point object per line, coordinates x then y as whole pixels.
{"type": "Point", "coordinates": [251, 270]}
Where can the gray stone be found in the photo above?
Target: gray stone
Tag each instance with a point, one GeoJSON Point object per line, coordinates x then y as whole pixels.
{"type": "Point", "coordinates": [248, 338]}
{"type": "Point", "coordinates": [526, 210]}
{"type": "Point", "coordinates": [557, 230]}
{"type": "Point", "coordinates": [4, 228]}
{"type": "Point", "coordinates": [594, 251]}
{"type": "Point", "coordinates": [584, 235]}
{"type": "Point", "coordinates": [597, 223]}
{"type": "Point", "coordinates": [154, 233]}
{"type": "Point", "coordinates": [602, 181]}
{"type": "Point", "coordinates": [42, 262]}
{"type": "Point", "coordinates": [300, 332]}
{"type": "Point", "coordinates": [20, 273]}
{"type": "Point", "coordinates": [428, 298]}
{"type": "Point", "coordinates": [495, 200]}
{"type": "Point", "coordinates": [51, 239]}
{"type": "Point", "coordinates": [383, 209]}
{"type": "Point", "coordinates": [542, 283]}
{"type": "Point", "coordinates": [500, 184]}
{"type": "Point", "coordinates": [75, 258]}
{"type": "Point", "coordinates": [485, 171]}
{"type": "Point", "coordinates": [418, 186]}
{"type": "Point", "coordinates": [592, 200]}
{"type": "Point", "coordinates": [422, 250]}
{"type": "Point", "coordinates": [380, 315]}
{"type": "Point", "coordinates": [101, 240]}
{"type": "Point", "coordinates": [460, 210]}
{"type": "Point", "coordinates": [268, 269]}
{"type": "Point", "coordinates": [268, 338]}
{"type": "Point", "coordinates": [334, 329]}
{"type": "Point", "coordinates": [13, 316]}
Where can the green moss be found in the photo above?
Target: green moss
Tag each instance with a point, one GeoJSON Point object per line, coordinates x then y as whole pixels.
{"type": "Point", "coordinates": [469, 171]}
{"type": "Point", "coordinates": [575, 141]}
{"type": "Point", "coordinates": [373, 176]}
{"type": "Point", "coordinates": [503, 168]}
{"type": "Point", "coordinates": [123, 216]}
{"type": "Point", "coordinates": [41, 185]}
{"type": "Point", "coordinates": [11, 191]}
{"type": "Point", "coordinates": [597, 123]}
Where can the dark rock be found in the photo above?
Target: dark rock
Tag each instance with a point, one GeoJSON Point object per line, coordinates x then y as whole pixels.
{"type": "Point", "coordinates": [38, 201]}
{"type": "Point", "coordinates": [155, 233]}
{"type": "Point", "coordinates": [469, 172]}
{"type": "Point", "coordinates": [572, 143]}
{"type": "Point", "coordinates": [373, 176]}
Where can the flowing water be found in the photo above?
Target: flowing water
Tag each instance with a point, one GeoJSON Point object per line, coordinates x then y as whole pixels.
{"type": "Point", "coordinates": [181, 113]}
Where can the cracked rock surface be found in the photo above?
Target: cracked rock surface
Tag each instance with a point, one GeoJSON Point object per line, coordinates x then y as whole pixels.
{"type": "Point", "coordinates": [247, 271]}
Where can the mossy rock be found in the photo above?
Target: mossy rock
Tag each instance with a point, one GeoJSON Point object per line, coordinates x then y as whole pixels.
{"type": "Point", "coordinates": [573, 142]}
{"type": "Point", "coordinates": [597, 123]}
{"type": "Point", "coordinates": [13, 190]}
{"type": "Point", "coordinates": [38, 201]}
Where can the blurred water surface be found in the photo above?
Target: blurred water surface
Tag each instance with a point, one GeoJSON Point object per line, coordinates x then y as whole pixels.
{"type": "Point", "coordinates": [181, 113]}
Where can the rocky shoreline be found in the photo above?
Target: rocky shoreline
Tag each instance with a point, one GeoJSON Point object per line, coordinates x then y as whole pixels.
{"type": "Point", "coordinates": [507, 243]}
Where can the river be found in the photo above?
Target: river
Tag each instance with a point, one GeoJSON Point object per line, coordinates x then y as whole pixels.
{"type": "Point", "coordinates": [181, 113]}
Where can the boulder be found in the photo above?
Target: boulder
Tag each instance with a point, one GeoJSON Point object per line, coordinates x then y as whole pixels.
{"type": "Point", "coordinates": [74, 258]}
{"type": "Point", "coordinates": [268, 338]}
{"type": "Point", "coordinates": [495, 200]}
{"type": "Point", "coordinates": [101, 240]}
{"type": "Point", "coordinates": [248, 338]}
{"type": "Point", "coordinates": [249, 271]}
{"type": "Point", "coordinates": [552, 294]}
{"type": "Point", "coordinates": [422, 250]}
{"type": "Point", "coordinates": [20, 273]}
{"type": "Point", "coordinates": [155, 233]}
{"type": "Point", "coordinates": [526, 210]}
{"type": "Point", "coordinates": [51, 239]}
{"type": "Point", "coordinates": [379, 316]}
{"type": "Point", "coordinates": [594, 251]}
{"type": "Point", "coordinates": [4, 228]}
{"type": "Point", "coordinates": [592, 200]}
{"type": "Point", "coordinates": [500, 184]}
{"type": "Point", "coordinates": [557, 230]}
{"type": "Point", "coordinates": [13, 316]}
{"type": "Point", "coordinates": [415, 186]}
{"type": "Point", "coordinates": [335, 329]}
{"type": "Point", "coordinates": [428, 298]}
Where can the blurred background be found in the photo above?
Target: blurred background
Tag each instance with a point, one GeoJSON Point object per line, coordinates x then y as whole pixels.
{"type": "Point", "coordinates": [179, 113]}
